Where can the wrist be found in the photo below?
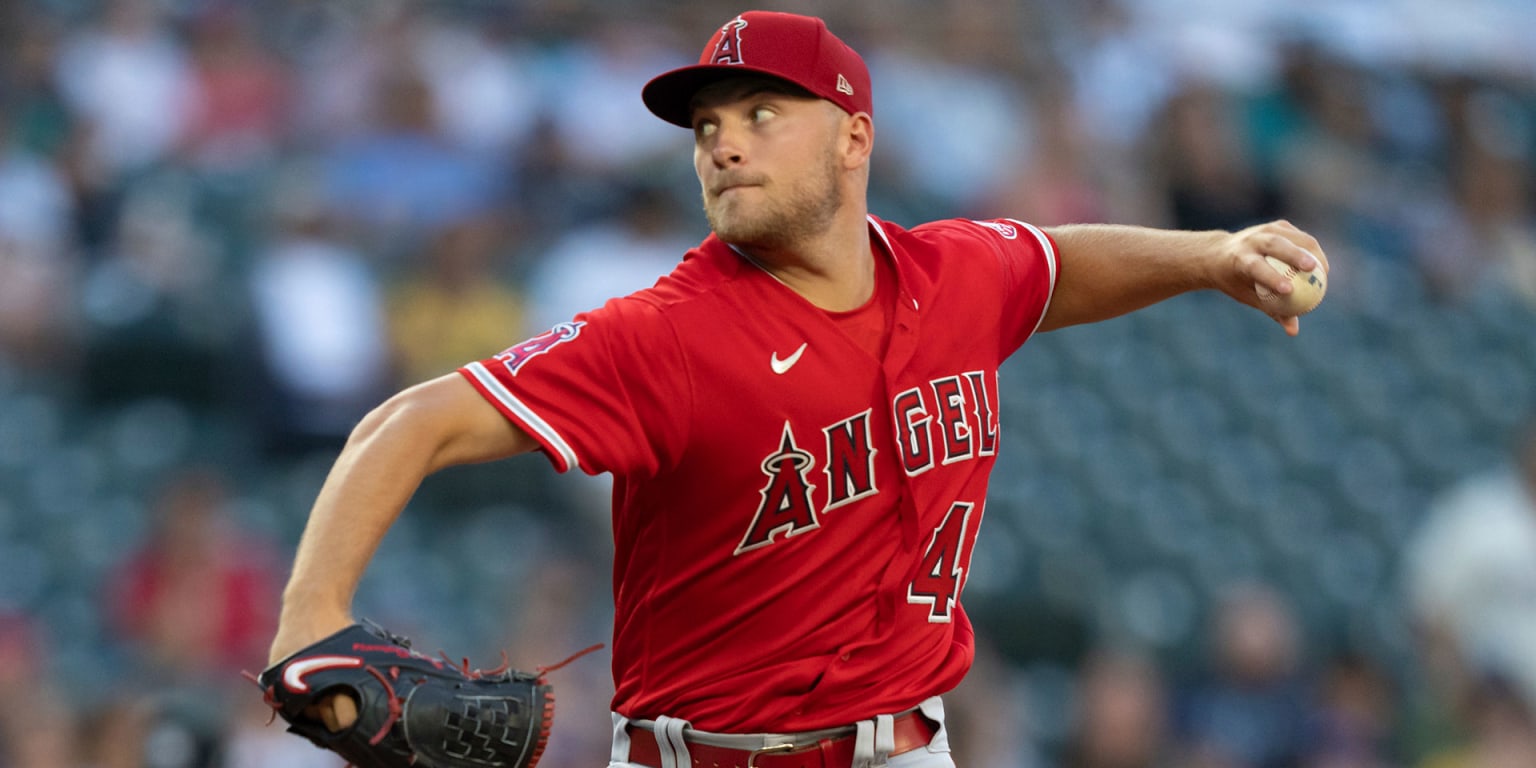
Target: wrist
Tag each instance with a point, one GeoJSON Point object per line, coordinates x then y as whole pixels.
{"type": "Point", "coordinates": [309, 607]}
{"type": "Point", "coordinates": [1215, 258]}
{"type": "Point", "coordinates": [301, 623]}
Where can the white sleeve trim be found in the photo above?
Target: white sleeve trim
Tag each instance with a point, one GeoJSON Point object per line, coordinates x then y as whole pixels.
{"type": "Point", "coordinates": [517, 408]}
{"type": "Point", "coordinates": [1051, 259]}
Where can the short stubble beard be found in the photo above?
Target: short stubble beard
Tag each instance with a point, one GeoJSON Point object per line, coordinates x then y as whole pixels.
{"type": "Point", "coordinates": [807, 211]}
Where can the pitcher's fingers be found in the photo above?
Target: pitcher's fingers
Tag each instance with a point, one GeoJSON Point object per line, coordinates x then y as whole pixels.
{"type": "Point", "coordinates": [1292, 248]}
{"type": "Point", "coordinates": [343, 712]}
{"type": "Point", "coordinates": [1306, 242]}
{"type": "Point", "coordinates": [336, 712]}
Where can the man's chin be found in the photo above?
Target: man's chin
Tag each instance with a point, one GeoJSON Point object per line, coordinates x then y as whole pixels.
{"type": "Point", "coordinates": [741, 234]}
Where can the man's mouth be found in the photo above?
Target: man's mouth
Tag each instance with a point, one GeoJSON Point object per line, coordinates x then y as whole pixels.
{"type": "Point", "coordinates": [724, 187]}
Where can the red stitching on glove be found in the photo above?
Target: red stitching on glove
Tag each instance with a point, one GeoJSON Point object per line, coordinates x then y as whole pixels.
{"type": "Point", "coordinates": [394, 706]}
{"type": "Point", "coordinates": [266, 695]}
{"type": "Point", "coordinates": [545, 670]}
{"type": "Point", "coordinates": [506, 664]}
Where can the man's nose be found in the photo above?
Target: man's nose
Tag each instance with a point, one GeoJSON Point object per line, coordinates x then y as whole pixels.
{"type": "Point", "coordinates": [727, 150]}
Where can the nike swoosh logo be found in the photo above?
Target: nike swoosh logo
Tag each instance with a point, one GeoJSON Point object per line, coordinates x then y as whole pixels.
{"type": "Point", "coordinates": [293, 676]}
{"type": "Point", "coordinates": [780, 366]}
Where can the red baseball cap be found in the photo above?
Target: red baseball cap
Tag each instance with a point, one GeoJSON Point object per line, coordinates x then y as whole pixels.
{"type": "Point", "coordinates": [798, 49]}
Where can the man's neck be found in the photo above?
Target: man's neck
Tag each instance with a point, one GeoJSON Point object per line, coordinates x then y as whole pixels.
{"type": "Point", "coordinates": [836, 271]}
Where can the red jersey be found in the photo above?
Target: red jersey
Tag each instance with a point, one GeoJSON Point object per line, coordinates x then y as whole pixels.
{"type": "Point", "coordinates": [793, 516]}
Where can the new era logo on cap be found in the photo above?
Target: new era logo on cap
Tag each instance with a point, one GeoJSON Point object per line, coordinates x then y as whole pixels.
{"type": "Point", "coordinates": [799, 49]}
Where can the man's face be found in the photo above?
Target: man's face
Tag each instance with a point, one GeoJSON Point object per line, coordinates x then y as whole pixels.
{"type": "Point", "coordinates": [766, 160]}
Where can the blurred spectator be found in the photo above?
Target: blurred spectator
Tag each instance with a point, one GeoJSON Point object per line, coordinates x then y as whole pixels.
{"type": "Point", "coordinates": [593, 83]}
{"type": "Point", "coordinates": [256, 740]}
{"type": "Point", "coordinates": [1121, 718]}
{"type": "Point", "coordinates": [1199, 153]}
{"type": "Point", "coordinates": [1488, 234]}
{"type": "Point", "coordinates": [947, 160]}
{"type": "Point", "coordinates": [1470, 574]}
{"type": "Point", "coordinates": [338, 55]}
{"type": "Point", "coordinates": [40, 120]}
{"type": "Point", "coordinates": [642, 238]}
{"type": "Point", "coordinates": [456, 305]}
{"type": "Point", "coordinates": [37, 258]}
{"type": "Point", "coordinates": [196, 601]}
{"type": "Point", "coordinates": [128, 79]}
{"type": "Point", "coordinates": [1057, 182]}
{"type": "Point", "coordinates": [1353, 717]}
{"type": "Point", "coordinates": [239, 103]}
{"type": "Point", "coordinates": [401, 180]}
{"type": "Point", "coordinates": [984, 717]}
{"type": "Point", "coordinates": [159, 320]}
{"type": "Point", "coordinates": [1119, 74]}
{"type": "Point", "coordinates": [1250, 709]}
{"type": "Point", "coordinates": [320, 324]}
{"type": "Point", "coordinates": [560, 615]}
{"type": "Point", "coordinates": [143, 727]}
{"type": "Point", "coordinates": [589, 85]}
{"type": "Point", "coordinates": [113, 732]}
{"type": "Point", "coordinates": [484, 80]}
{"type": "Point", "coordinates": [36, 728]}
{"type": "Point", "coordinates": [1502, 730]}
{"type": "Point", "coordinates": [1325, 158]}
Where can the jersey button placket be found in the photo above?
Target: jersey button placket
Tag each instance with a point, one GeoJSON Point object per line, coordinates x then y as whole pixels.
{"type": "Point", "coordinates": [904, 328]}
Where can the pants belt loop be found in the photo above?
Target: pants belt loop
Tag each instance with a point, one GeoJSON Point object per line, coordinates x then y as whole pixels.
{"type": "Point", "coordinates": [669, 736]}
{"type": "Point", "coordinates": [618, 756]}
{"type": "Point", "coordinates": [874, 741]}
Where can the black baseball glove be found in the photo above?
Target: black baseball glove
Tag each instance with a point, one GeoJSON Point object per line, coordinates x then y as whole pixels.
{"type": "Point", "coordinates": [412, 710]}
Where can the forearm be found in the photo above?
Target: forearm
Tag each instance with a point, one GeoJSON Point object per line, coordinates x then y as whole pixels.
{"type": "Point", "coordinates": [1108, 270]}
{"type": "Point", "coordinates": [417, 432]}
{"type": "Point", "coordinates": [1105, 271]}
{"type": "Point", "coordinates": [368, 486]}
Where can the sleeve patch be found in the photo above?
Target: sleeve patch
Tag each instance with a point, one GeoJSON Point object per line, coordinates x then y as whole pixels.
{"type": "Point", "coordinates": [515, 357]}
{"type": "Point", "coordinates": [1008, 231]}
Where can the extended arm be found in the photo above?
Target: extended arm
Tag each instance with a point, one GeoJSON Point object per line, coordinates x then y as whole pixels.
{"type": "Point", "coordinates": [428, 427]}
{"type": "Point", "coordinates": [1109, 270]}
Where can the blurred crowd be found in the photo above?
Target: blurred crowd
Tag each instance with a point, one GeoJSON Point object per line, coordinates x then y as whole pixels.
{"type": "Point", "coordinates": [257, 219]}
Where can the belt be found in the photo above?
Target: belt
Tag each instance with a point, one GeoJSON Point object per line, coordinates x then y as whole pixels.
{"type": "Point", "coordinates": [912, 730]}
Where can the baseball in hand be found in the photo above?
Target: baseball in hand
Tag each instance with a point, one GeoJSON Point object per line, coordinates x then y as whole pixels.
{"type": "Point", "coordinates": [1307, 289]}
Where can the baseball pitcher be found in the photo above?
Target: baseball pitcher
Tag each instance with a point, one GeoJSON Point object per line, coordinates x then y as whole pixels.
{"type": "Point", "coordinates": [800, 421]}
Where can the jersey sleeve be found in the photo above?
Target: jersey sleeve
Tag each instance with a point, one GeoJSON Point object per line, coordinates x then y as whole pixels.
{"type": "Point", "coordinates": [1027, 268]}
{"type": "Point", "coordinates": [605, 392]}
{"type": "Point", "coordinates": [1029, 261]}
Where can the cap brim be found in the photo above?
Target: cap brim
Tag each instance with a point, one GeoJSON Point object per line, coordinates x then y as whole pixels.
{"type": "Point", "coordinates": [669, 95]}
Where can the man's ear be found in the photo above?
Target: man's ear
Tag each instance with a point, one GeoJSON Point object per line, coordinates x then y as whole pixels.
{"type": "Point", "coordinates": [858, 133]}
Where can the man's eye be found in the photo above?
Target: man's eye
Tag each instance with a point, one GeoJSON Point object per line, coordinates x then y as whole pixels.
{"type": "Point", "coordinates": [704, 129]}
{"type": "Point", "coordinates": [761, 113]}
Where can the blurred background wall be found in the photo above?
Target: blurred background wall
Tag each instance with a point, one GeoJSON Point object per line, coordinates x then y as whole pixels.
{"type": "Point", "coordinates": [227, 229]}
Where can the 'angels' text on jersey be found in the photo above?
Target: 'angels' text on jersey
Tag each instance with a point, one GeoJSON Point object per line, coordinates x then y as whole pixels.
{"type": "Point", "coordinates": [951, 419]}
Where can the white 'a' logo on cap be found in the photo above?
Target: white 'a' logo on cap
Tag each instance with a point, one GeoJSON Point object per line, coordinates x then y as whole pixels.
{"type": "Point", "coordinates": [728, 48]}
{"type": "Point", "coordinates": [843, 86]}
